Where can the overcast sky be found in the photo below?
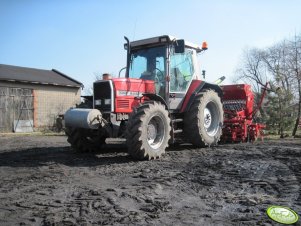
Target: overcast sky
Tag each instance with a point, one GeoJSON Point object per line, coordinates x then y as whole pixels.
{"type": "Point", "coordinates": [81, 38]}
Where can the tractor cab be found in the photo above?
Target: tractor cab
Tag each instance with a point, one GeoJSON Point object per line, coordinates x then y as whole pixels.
{"type": "Point", "coordinates": [171, 63]}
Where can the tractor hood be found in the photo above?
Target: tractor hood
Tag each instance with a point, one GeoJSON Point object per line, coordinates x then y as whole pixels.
{"type": "Point", "coordinates": [132, 86]}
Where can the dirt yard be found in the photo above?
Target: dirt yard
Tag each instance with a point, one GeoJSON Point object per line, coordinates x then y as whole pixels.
{"type": "Point", "coordinates": [43, 182]}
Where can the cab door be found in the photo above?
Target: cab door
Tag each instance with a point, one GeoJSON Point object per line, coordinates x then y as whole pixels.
{"type": "Point", "coordinates": [181, 74]}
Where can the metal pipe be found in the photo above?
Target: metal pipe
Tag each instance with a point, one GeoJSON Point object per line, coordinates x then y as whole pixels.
{"type": "Point", "coordinates": [128, 57]}
{"type": "Point", "coordinates": [261, 100]}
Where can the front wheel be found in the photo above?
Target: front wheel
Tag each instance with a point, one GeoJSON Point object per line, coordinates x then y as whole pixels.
{"type": "Point", "coordinates": [148, 131]}
{"type": "Point", "coordinates": [85, 140]}
{"type": "Point", "coordinates": [203, 122]}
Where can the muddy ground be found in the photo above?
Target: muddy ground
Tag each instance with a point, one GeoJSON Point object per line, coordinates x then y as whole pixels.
{"type": "Point", "coordinates": [43, 182]}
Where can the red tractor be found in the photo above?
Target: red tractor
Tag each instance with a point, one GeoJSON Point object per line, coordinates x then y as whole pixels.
{"type": "Point", "coordinates": [238, 103]}
{"type": "Point", "coordinates": [161, 100]}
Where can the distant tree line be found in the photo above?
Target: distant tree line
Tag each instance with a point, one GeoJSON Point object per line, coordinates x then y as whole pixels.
{"type": "Point", "coordinates": [280, 65]}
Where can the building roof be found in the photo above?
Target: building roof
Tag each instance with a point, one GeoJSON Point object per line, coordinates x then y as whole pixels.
{"type": "Point", "coordinates": [36, 76]}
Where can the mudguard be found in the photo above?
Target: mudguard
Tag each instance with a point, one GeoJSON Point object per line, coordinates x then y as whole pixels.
{"type": "Point", "coordinates": [155, 97]}
{"type": "Point", "coordinates": [196, 87]}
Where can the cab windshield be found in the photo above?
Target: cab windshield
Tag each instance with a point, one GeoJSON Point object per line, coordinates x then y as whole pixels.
{"type": "Point", "coordinates": [148, 63]}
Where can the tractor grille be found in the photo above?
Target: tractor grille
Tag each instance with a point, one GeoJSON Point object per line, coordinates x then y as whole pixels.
{"type": "Point", "coordinates": [103, 95]}
{"type": "Point", "coordinates": [123, 104]}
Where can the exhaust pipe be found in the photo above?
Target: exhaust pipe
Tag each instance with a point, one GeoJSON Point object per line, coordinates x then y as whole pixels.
{"type": "Point", "coordinates": [128, 57]}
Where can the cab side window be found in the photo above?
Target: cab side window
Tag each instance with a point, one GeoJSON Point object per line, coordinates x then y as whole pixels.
{"type": "Point", "coordinates": [181, 71]}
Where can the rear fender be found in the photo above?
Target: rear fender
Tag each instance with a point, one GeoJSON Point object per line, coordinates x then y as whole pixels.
{"type": "Point", "coordinates": [215, 87]}
{"type": "Point", "coordinates": [196, 87]}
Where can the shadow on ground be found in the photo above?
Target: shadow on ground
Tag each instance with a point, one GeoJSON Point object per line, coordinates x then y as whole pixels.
{"type": "Point", "coordinates": [34, 157]}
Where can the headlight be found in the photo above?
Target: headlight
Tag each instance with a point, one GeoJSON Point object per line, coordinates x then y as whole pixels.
{"type": "Point", "coordinates": [107, 101]}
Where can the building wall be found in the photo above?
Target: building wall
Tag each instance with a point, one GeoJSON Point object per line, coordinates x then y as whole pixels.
{"type": "Point", "coordinates": [49, 101]}
{"type": "Point", "coordinates": [52, 101]}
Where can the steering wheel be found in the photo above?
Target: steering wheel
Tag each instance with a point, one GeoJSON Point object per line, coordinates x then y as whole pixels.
{"type": "Point", "coordinates": [157, 80]}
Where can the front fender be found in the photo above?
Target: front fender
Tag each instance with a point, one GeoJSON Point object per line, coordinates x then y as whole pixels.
{"type": "Point", "coordinates": [155, 97]}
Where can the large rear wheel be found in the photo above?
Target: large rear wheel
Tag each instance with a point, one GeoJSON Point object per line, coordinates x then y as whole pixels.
{"type": "Point", "coordinates": [203, 122]}
{"type": "Point", "coordinates": [148, 131]}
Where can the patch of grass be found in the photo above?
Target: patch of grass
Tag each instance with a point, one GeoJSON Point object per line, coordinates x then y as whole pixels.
{"type": "Point", "coordinates": [287, 134]}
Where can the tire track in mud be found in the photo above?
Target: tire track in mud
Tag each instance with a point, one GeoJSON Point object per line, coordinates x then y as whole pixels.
{"type": "Point", "coordinates": [243, 186]}
{"type": "Point", "coordinates": [230, 184]}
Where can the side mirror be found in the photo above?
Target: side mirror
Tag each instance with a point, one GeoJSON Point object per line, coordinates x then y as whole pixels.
{"type": "Point", "coordinates": [179, 46]}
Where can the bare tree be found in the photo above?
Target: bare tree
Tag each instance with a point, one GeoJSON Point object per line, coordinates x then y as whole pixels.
{"type": "Point", "coordinates": [272, 64]}
{"type": "Point", "coordinates": [252, 69]}
{"type": "Point", "coordinates": [276, 60]}
{"type": "Point", "coordinates": [294, 62]}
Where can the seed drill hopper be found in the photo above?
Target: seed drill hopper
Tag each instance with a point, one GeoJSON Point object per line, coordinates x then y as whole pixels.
{"type": "Point", "coordinates": [239, 113]}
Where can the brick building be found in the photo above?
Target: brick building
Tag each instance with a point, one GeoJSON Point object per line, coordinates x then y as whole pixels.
{"type": "Point", "coordinates": [31, 99]}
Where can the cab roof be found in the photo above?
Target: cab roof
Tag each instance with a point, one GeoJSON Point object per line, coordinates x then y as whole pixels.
{"type": "Point", "coordinates": [162, 39]}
